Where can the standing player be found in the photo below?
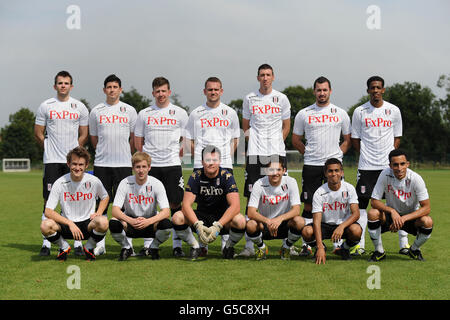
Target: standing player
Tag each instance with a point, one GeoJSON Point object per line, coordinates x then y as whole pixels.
{"type": "Point", "coordinates": [159, 133]}
{"type": "Point", "coordinates": [407, 206]}
{"type": "Point", "coordinates": [376, 130]}
{"type": "Point", "coordinates": [76, 192]}
{"type": "Point", "coordinates": [61, 125]}
{"type": "Point", "coordinates": [111, 127]}
{"type": "Point", "coordinates": [321, 124]}
{"type": "Point", "coordinates": [335, 214]}
{"type": "Point", "coordinates": [274, 211]}
{"type": "Point", "coordinates": [213, 123]}
{"type": "Point", "coordinates": [266, 123]}
{"type": "Point", "coordinates": [140, 194]}
{"type": "Point", "coordinates": [214, 190]}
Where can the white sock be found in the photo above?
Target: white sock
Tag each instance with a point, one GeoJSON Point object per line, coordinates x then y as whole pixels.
{"type": "Point", "coordinates": [402, 239]}
{"type": "Point", "coordinates": [148, 242]}
{"type": "Point", "coordinates": [375, 235]}
{"type": "Point", "coordinates": [292, 238]}
{"type": "Point", "coordinates": [225, 238]}
{"type": "Point", "coordinates": [421, 238]}
{"type": "Point", "coordinates": [160, 237]}
{"type": "Point", "coordinates": [121, 239]}
{"type": "Point", "coordinates": [45, 242]}
{"type": "Point", "coordinates": [187, 236]}
{"type": "Point", "coordinates": [77, 243]}
{"type": "Point", "coordinates": [257, 240]}
{"type": "Point", "coordinates": [101, 243]}
{"type": "Point", "coordinates": [60, 242]}
{"type": "Point", "coordinates": [363, 223]}
{"type": "Point", "coordinates": [176, 241]}
{"type": "Point", "coordinates": [91, 242]}
{"type": "Point", "coordinates": [233, 238]}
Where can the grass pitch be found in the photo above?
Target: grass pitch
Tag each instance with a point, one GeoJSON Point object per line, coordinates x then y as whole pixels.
{"type": "Point", "coordinates": [26, 275]}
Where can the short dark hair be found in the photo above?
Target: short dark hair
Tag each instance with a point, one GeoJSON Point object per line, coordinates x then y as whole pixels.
{"type": "Point", "coordinates": [275, 158]}
{"type": "Point", "coordinates": [321, 79]}
{"type": "Point", "coordinates": [264, 66]}
{"type": "Point", "coordinates": [397, 153]}
{"type": "Point", "coordinates": [213, 79]}
{"type": "Point", "coordinates": [210, 149]}
{"type": "Point", "coordinates": [159, 82]}
{"type": "Point", "coordinates": [332, 161]}
{"type": "Point", "coordinates": [112, 78]}
{"type": "Point", "coordinates": [375, 78]}
{"type": "Point", "coordinates": [80, 152]}
{"type": "Point", "coordinates": [64, 74]}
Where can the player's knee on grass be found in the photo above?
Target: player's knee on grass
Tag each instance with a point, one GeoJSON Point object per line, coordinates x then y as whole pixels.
{"type": "Point", "coordinates": [308, 233]}
{"type": "Point", "coordinates": [251, 227]}
{"type": "Point", "coordinates": [425, 222]}
{"type": "Point", "coordinates": [373, 214]}
{"type": "Point", "coordinates": [99, 224]}
{"type": "Point", "coordinates": [238, 222]}
{"type": "Point", "coordinates": [354, 232]}
{"type": "Point", "coordinates": [48, 227]}
{"type": "Point", "coordinates": [178, 218]}
{"type": "Point", "coordinates": [297, 223]}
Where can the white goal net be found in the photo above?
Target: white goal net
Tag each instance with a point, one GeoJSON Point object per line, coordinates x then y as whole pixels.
{"type": "Point", "coordinates": [16, 165]}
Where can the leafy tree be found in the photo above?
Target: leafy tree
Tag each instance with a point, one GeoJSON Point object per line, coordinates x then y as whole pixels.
{"type": "Point", "coordinates": [135, 99]}
{"type": "Point", "coordinates": [17, 138]}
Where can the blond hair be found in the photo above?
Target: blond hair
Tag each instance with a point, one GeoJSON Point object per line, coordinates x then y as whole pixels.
{"type": "Point", "coordinates": [140, 156]}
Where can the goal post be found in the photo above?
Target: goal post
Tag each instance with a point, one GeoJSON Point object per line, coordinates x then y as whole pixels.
{"type": "Point", "coordinates": [16, 165]}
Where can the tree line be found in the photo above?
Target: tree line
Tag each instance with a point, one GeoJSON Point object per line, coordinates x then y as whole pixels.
{"type": "Point", "coordinates": [426, 120]}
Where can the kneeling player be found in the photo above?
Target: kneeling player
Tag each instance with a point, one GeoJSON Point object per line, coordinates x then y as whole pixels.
{"type": "Point", "coordinates": [76, 193]}
{"type": "Point", "coordinates": [407, 206]}
{"type": "Point", "coordinates": [277, 199]}
{"type": "Point", "coordinates": [139, 194]}
{"type": "Point", "coordinates": [218, 205]}
{"type": "Point", "coordinates": [335, 212]}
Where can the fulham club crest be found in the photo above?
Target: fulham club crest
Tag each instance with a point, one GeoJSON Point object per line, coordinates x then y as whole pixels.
{"type": "Point", "coordinates": [284, 187]}
{"type": "Point", "coordinates": [333, 110]}
{"type": "Point", "coordinates": [123, 109]}
{"type": "Point", "coordinates": [387, 112]}
{"type": "Point", "coordinates": [344, 195]}
{"type": "Point", "coordinates": [73, 105]}
{"type": "Point", "coordinates": [275, 99]}
{"type": "Point", "coordinates": [148, 188]}
{"type": "Point", "coordinates": [172, 112]}
{"type": "Point", "coordinates": [224, 112]}
{"type": "Point", "coordinates": [87, 185]}
{"type": "Point", "coordinates": [363, 189]}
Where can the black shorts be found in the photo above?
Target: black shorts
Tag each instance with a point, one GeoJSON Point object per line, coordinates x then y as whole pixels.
{"type": "Point", "coordinates": [208, 219]}
{"type": "Point", "coordinates": [52, 172]}
{"type": "Point", "coordinates": [172, 179]}
{"type": "Point", "coordinates": [111, 177]}
{"type": "Point", "coordinates": [365, 182]}
{"type": "Point", "coordinates": [282, 232]}
{"type": "Point", "coordinates": [254, 170]}
{"type": "Point", "coordinates": [148, 232]}
{"type": "Point", "coordinates": [312, 178]}
{"type": "Point", "coordinates": [328, 229]}
{"type": "Point", "coordinates": [408, 226]}
{"type": "Point", "coordinates": [82, 225]}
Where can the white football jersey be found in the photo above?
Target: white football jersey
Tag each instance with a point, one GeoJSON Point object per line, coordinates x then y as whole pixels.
{"type": "Point", "coordinates": [162, 129]}
{"type": "Point", "coordinates": [322, 128]}
{"type": "Point", "coordinates": [213, 126]}
{"type": "Point", "coordinates": [77, 199]}
{"type": "Point", "coordinates": [266, 114]}
{"type": "Point", "coordinates": [402, 195]}
{"type": "Point", "coordinates": [377, 128]}
{"type": "Point", "coordinates": [141, 200]}
{"type": "Point", "coordinates": [113, 126]}
{"type": "Point", "coordinates": [271, 201]}
{"type": "Point", "coordinates": [334, 205]}
{"type": "Point", "coordinates": [62, 120]}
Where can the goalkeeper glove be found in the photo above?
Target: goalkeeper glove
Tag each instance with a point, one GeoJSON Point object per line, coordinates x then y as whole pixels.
{"type": "Point", "coordinates": [202, 231]}
{"type": "Point", "coordinates": [214, 231]}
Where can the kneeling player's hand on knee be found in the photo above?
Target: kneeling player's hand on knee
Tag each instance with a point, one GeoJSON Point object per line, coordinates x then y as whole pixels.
{"type": "Point", "coordinates": [214, 231]}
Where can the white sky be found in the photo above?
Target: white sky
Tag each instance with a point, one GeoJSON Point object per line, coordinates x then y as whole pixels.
{"type": "Point", "coordinates": [187, 41]}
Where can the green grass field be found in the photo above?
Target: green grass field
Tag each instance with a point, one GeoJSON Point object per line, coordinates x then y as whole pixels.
{"type": "Point", "coordinates": [26, 275]}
